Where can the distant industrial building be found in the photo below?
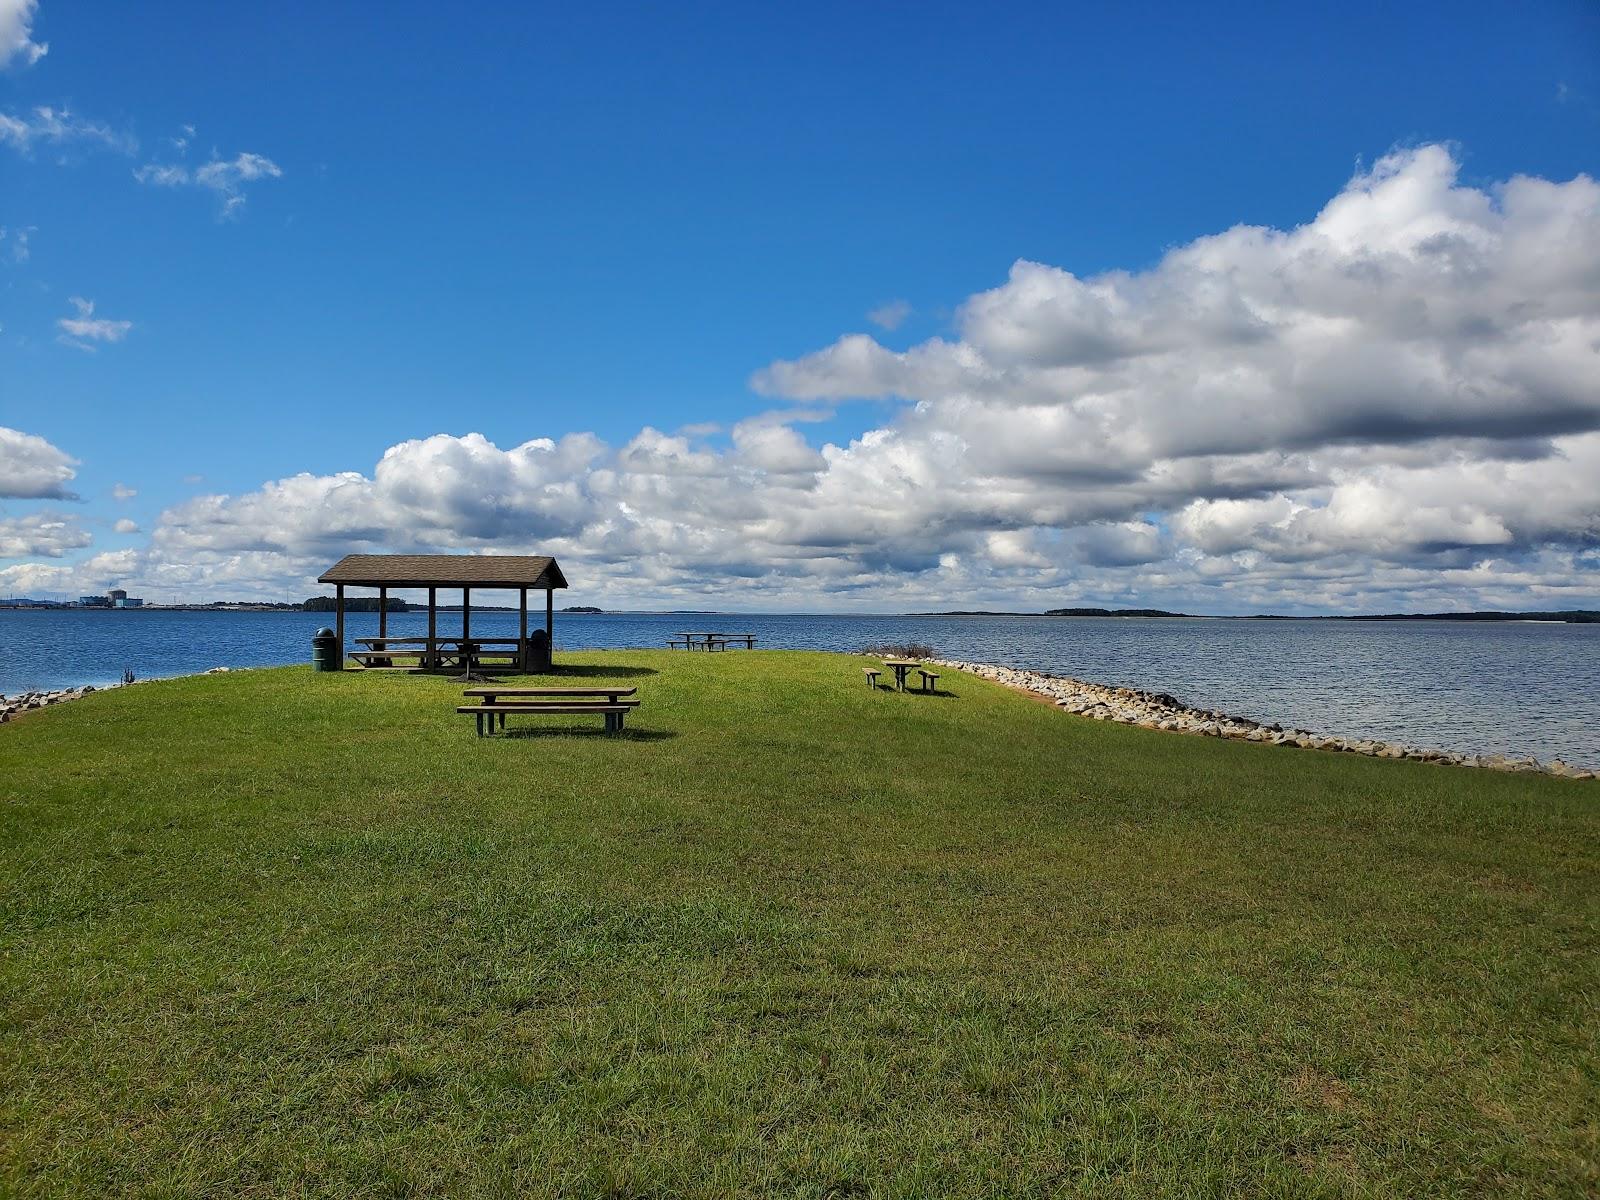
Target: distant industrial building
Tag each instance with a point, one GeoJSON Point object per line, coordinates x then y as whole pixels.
{"type": "Point", "coordinates": [115, 598]}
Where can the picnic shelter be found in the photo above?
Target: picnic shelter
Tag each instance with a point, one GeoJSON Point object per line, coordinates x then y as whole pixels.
{"type": "Point", "coordinates": [521, 573]}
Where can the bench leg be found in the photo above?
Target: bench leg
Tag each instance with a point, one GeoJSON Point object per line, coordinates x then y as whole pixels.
{"type": "Point", "coordinates": [502, 717]}
{"type": "Point", "coordinates": [477, 719]}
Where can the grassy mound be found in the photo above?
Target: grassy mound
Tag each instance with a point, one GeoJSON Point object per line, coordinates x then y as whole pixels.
{"type": "Point", "coordinates": [275, 933]}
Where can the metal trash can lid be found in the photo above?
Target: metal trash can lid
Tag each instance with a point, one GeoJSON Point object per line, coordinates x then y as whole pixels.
{"type": "Point", "coordinates": [324, 632]}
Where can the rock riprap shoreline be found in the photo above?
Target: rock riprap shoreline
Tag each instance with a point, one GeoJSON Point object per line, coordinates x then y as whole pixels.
{"type": "Point", "coordinates": [11, 706]}
{"type": "Point", "coordinates": [1157, 710]}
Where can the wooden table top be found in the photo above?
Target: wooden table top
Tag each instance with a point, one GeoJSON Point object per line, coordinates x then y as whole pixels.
{"type": "Point", "coordinates": [550, 691]}
{"type": "Point", "coordinates": [452, 640]}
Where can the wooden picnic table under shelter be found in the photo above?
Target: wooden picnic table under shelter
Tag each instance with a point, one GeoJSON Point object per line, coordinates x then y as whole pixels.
{"type": "Point", "coordinates": [521, 573]}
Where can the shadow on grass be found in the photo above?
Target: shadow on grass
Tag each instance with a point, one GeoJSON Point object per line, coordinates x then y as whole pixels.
{"type": "Point", "coordinates": [598, 671]}
{"type": "Point", "coordinates": [582, 731]}
{"type": "Point", "coordinates": [937, 694]}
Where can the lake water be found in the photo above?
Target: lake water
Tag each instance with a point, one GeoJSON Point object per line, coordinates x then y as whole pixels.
{"type": "Point", "coordinates": [1510, 688]}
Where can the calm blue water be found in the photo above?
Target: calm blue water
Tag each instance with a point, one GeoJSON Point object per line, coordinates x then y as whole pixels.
{"type": "Point", "coordinates": [1512, 688]}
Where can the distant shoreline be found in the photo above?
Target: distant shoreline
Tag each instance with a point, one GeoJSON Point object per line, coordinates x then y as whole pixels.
{"type": "Point", "coordinates": [1553, 617]}
{"type": "Point", "coordinates": [1562, 617]}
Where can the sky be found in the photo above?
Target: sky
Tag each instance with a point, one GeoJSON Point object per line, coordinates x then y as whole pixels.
{"type": "Point", "coordinates": [1221, 308]}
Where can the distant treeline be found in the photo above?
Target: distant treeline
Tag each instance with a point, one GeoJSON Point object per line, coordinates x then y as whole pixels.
{"type": "Point", "coordinates": [1057, 612]}
{"type": "Point", "coordinates": [1110, 612]}
{"type": "Point", "coordinates": [353, 604]}
{"type": "Point", "coordinates": [1571, 616]}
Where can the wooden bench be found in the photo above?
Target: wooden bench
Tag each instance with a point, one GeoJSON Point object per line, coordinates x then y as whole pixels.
{"type": "Point", "coordinates": [498, 703]}
{"type": "Point", "coordinates": [678, 644]}
{"type": "Point", "coordinates": [385, 658]}
{"type": "Point", "coordinates": [930, 679]}
{"type": "Point", "coordinates": [872, 674]}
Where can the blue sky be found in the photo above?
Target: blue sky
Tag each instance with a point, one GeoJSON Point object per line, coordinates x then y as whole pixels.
{"type": "Point", "coordinates": [528, 222]}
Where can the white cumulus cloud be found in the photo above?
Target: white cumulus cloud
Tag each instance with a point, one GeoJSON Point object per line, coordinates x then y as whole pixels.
{"type": "Point", "coordinates": [90, 576]}
{"type": "Point", "coordinates": [16, 34]}
{"type": "Point", "coordinates": [1393, 405]}
{"type": "Point", "coordinates": [33, 469]}
{"type": "Point", "coordinates": [47, 534]}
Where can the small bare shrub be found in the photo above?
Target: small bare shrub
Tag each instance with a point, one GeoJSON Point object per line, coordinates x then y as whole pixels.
{"type": "Point", "coordinates": [918, 650]}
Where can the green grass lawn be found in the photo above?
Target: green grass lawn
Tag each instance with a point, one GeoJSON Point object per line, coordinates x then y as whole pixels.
{"type": "Point", "coordinates": [276, 933]}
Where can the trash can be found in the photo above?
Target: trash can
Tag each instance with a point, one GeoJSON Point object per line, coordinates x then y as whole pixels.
{"type": "Point", "coordinates": [325, 651]}
{"type": "Point", "coordinates": [537, 653]}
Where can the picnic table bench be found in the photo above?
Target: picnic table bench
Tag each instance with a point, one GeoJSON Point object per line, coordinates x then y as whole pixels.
{"type": "Point", "coordinates": [495, 704]}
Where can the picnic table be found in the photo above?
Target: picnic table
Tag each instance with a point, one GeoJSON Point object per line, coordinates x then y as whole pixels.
{"type": "Point", "coordinates": [433, 652]}
{"type": "Point", "coordinates": [710, 641]}
{"type": "Point", "coordinates": [495, 704]}
{"type": "Point", "coordinates": [901, 668]}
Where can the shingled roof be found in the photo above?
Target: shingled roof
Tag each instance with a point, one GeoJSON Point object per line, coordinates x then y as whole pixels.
{"type": "Point", "coordinates": [446, 570]}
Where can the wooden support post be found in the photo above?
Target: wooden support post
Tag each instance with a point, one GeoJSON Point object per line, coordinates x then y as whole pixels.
{"type": "Point", "coordinates": [550, 619]}
{"type": "Point", "coordinates": [466, 630]}
{"type": "Point", "coordinates": [338, 620]}
{"type": "Point", "coordinates": [522, 644]}
{"type": "Point", "coordinates": [383, 612]}
{"type": "Point", "coordinates": [433, 629]}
